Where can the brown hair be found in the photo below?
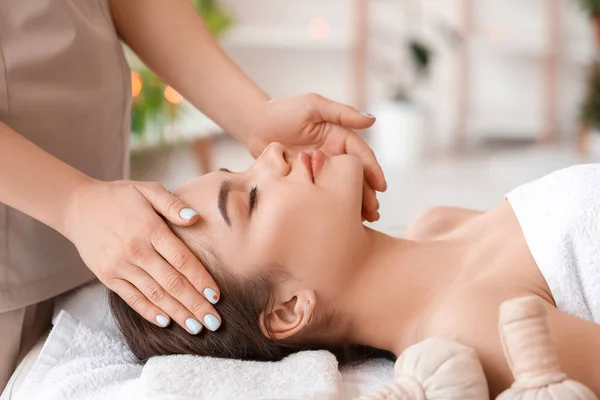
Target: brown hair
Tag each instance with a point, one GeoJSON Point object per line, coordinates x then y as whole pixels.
{"type": "Point", "coordinates": [241, 302]}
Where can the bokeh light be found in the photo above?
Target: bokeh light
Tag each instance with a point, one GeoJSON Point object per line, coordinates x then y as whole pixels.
{"type": "Point", "coordinates": [172, 95]}
{"type": "Point", "coordinates": [319, 28]}
{"type": "Point", "coordinates": [136, 84]}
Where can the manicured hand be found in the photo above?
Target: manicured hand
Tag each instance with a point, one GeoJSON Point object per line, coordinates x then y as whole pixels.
{"type": "Point", "coordinates": [121, 237]}
{"type": "Point", "coordinates": [313, 122]}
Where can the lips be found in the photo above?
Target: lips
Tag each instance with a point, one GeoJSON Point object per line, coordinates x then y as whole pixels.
{"type": "Point", "coordinates": [316, 162]}
{"type": "Point", "coordinates": [305, 158]}
{"type": "Point", "coordinates": [313, 163]}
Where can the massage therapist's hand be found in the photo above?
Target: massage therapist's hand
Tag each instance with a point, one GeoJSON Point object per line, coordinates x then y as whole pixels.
{"type": "Point", "coordinates": [314, 122]}
{"type": "Point", "coordinates": [121, 237]}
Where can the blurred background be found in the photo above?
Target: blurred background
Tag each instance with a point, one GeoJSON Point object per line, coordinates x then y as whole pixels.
{"type": "Point", "coordinates": [472, 97]}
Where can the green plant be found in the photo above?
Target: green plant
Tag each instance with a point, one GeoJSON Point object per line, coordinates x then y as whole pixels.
{"type": "Point", "coordinates": [217, 18]}
{"type": "Point", "coordinates": [420, 57]}
{"type": "Point", "coordinates": [592, 7]}
{"type": "Point", "coordinates": [150, 106]}
{"type": "Point", "coordinates": [590, 109]}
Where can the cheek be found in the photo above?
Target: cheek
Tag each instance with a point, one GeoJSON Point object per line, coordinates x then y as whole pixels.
{"type": "Point", "coordinates": [295, 231]}
{"type": "Point", "coordinates": [343, 181]}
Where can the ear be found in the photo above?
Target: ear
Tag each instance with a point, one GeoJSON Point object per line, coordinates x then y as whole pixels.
{"type": "Point", "coordinates": [289, 314]}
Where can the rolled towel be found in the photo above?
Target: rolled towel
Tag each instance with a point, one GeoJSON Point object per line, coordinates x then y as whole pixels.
{"type": "Point", "coordinates": [304, 375]}
{"type": "Point", "coordinates": [436, 368]}
{"type": "Point", "coordinates": [531, 355]}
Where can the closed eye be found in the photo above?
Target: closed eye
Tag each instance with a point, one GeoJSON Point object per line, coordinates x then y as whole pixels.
{"type": "Point", "coordinates": [253, 198]}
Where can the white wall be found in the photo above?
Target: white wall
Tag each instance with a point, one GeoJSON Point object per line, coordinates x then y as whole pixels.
{"type": "Point", "coordinates": [271, 42]}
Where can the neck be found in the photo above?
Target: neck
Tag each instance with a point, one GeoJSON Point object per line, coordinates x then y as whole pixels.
{"type": "Point", "coordinates": [393, 286]}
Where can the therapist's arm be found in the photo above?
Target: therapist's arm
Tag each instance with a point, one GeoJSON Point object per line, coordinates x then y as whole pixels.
{"type": "Point", "coordinates": [116, 229]}
{"type": "Point", "coordinates": [172, 39]}
{"type": "Point", "coordinates": [33, 181]}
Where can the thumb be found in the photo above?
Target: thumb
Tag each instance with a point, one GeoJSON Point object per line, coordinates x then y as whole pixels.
{"type": "Point", "coordinates": [340, 114]}
{"type": "Point", "coordinates": [167, 204]}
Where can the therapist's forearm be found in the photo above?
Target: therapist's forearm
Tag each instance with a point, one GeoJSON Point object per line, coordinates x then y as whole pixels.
{"type": "Point", "coordinates": [33, 181]}
{"type": "Point", "coordinates": [172, 39]}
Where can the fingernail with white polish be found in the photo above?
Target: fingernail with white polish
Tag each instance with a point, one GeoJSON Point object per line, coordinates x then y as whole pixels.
{"type": "Point", "coordinates": [162, 321]}
{"type": "Point", "coordinates": [193, 325]}
{"type": "Point", "coordinates": [212, 322]}
{"type": "Point", "coordinates": [366, 114]}
{"type": "Point", "coordinates": [187, 213]}
{"type": "Point", "coordinates": [211, 295]}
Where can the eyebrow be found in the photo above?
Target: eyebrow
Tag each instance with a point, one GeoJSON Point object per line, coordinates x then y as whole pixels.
{"type": "Point", "coordinates": [223, 196]}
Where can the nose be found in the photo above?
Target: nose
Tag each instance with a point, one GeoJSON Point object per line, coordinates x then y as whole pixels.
{"type": "Point", "coordinates": [274, 159]}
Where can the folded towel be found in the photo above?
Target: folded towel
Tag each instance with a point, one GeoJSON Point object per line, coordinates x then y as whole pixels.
{"type": "Point", "coordinates": [366, 377]}
{"type": "Point", "coordinates": [305, 375]}
{"type": "Point", "coordinates": [88, 304]}
{"type": "Point", "coordinates": [80, 363]}
{"type": "Point", "coordinates": [559, 215]}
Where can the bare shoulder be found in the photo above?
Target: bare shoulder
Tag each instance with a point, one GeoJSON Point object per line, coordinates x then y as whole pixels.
{"type": "Point", "coordinates": [469, 315]}
{"type": "Point", "coordinates": [438, 221]}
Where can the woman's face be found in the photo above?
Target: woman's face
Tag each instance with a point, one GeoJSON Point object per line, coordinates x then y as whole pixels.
{"type": "Point", "coordinates": [276, 213]}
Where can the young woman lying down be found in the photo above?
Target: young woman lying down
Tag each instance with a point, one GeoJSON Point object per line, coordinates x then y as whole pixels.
{"type": "Point", "coordinates": [298, 269]}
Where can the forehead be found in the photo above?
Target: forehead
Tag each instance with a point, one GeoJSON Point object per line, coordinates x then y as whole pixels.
{"type": "Point", "coordinates": [201, 193]}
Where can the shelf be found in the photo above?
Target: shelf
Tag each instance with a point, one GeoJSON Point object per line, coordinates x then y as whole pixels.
{"type": "Point", "coordinates": [524, 48]}
{"type": "Point", "coordinates": [285, 38]}
{"type": "Point", "coordinates": [505, 125]}
{"type": "Point", "coordinates": [571, 52]}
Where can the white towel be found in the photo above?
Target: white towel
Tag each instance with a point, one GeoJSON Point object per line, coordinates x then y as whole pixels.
{"type": "Point", "coordinates": [304, 375]}
{"type": "Point", "coordinates": [90, 361]}
{"type": "Point", "coordinates": [79, 363]}
{"type": "Point", "coordinates": [366, 377]}
{"type": "Point", "coordinates": [559, 215]}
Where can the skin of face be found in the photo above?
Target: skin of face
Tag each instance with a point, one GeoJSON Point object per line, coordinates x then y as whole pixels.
{"type": "Point", "coordinates": [308, 228]}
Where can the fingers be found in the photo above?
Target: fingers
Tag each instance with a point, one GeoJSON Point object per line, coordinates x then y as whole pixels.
{"type": "Point", "coordinates": [170, 291]}
{"type": "Point", "coordinates": [356, 146]}
{"type": "Point", "coordinates": [179, 256]}
{"type": "Point", "coordinates": [177, 287]}
{"type": "Point", "coordinates": [370, 208]}
{"type": "Point", "coordinates": [139, 303]}
{"type": "Point", "coordinates": [323, 109]}
{"type": "Point", "coordinates": [153, 292]}
{"type": "Point", "coordinates": [167, 204]}
{"type": "Point", "coordinates": [157, 288]}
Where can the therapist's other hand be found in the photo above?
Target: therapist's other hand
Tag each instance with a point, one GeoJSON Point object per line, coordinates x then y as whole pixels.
{"type": "Point", "coordinates": [121, 237]}
{"type": "Point", "coordinates": [310, 122]}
